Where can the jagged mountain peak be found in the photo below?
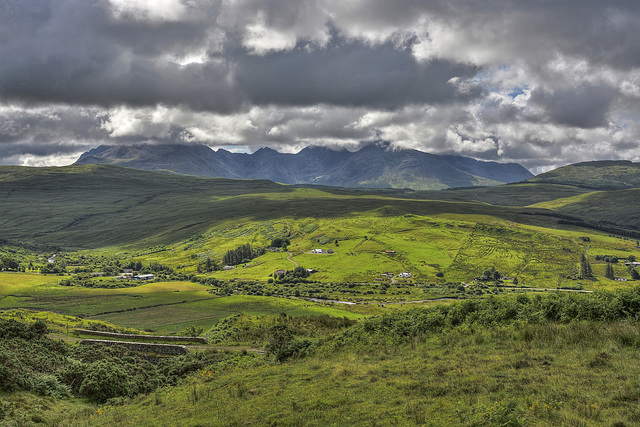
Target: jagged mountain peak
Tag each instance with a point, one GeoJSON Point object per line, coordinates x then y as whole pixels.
{"type": "Point", "coordinates": [376, 164]}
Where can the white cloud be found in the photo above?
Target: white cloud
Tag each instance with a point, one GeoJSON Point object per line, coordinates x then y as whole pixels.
{"type": "Point", "coordinates": [152, 10]}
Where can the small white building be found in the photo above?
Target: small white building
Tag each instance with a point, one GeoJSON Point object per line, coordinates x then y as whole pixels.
{"type": "Point", "coordinates": [404, 275]}
{"type": "Point", "coordinates": [228, 267]}
{"type": "Point", "coordinates": [318, 251]}
{"type": "Point", "coordinates": [146, 277]}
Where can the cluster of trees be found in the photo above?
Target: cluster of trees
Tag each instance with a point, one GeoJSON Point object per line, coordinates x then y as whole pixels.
{"type": "Point", "coordinates": [608, 258]}
{"type": "Point", "coordinates": [280, 242]}
{"type": "Point", "coordinates": [87, 281]}
{"type": "Point", "coordinates": [208, 265]}
{"type": "Point", "coordinates": [490, 274]}
{"type": "Point", "coordinates": [608, 272]}
{"type": "Point", "coordinates": [613, 258]}
{"type": "Point", "coordinates": [53, 268]}
{"type": "Point", "coordinates": [9, 263]}
{"type": "Point", "coordinates": [401, 325]}
{"type": "Point", "coordinates": [241, 254]}
{"type": "Point", "coordinates": [296, 275]}
{"type": "Point", "coordinates": [133, 265]}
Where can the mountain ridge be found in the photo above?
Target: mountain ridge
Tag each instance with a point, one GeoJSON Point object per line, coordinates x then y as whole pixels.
{"type": "Point", "coordinates": [372, 166]}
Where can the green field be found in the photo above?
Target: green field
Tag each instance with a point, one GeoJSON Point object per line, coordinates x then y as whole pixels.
{"type": "Point", "coordinates": [162, 307]}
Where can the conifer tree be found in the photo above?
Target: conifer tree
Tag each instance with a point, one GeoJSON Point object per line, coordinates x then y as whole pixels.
{"type": "Point", "coordinates": [609, 274]}
{"type": "Point", "coordinates": [585, 267]}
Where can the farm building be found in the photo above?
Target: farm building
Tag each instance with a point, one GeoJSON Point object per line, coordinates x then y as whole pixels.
{"type": "Point", "coordinates": [228, 267]}
{"type": "Point", "coordinates": [405, 275]}
{"type": "Point", "coordinates": [318, 251]}
{"type": "Point", "coordinates": [146, 277]}
{"type": "Point", "coordinates": [279, 272]}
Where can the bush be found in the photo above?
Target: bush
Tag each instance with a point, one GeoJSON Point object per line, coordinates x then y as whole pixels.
{"type": "Point", "coordinates": [48, 385]}
{"type": "Point", "coordinates": [104, 380]}
{"type": "Point", "coordinates": [192, 331]}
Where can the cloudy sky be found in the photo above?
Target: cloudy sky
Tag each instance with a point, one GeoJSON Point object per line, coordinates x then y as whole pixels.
{"type": "Point", "coordinates": [543, 83]}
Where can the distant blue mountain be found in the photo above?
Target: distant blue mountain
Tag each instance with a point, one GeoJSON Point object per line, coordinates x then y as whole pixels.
{"type": "Point", "coordinates": [373, 166]}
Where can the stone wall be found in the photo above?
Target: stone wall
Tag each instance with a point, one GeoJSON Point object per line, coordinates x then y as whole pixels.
{"type": "Point", "coordinates": [141, 337]}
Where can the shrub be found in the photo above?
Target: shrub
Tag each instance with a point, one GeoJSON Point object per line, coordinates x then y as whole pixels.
{"type": "Point", "coordinates": [104, 380]}
{"type": "Point", "coordinates": [48, 385]}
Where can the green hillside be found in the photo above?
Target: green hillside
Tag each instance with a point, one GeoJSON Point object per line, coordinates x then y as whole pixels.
{"type": "Point", "coordinates": [600, 175]}
{"type": "Point", "coordinates": [94, 206]}
{"type": "Point", "coordinates": [618, 207]}
{"type": "Point", "coordinates": [181, 221]}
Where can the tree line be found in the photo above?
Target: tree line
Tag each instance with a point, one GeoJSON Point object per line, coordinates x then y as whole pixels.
{"type": "Point", "coordinates": [241, 255]}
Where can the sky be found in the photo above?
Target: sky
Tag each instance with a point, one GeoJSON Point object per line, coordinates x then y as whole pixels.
{"type": "Point", "coordinates": [540, 82]}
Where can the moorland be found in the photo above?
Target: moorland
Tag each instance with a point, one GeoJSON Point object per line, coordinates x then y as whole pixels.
{"type": "Point", "coordinates": [509, 305]}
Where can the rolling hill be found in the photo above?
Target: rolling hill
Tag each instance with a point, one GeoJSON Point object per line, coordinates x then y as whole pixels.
{"type": "Point", "coordinates": [599, 175]}
{"type": "Point", "coordinates": [187, 219]}
{"type": "Point", "coordinates": [374, 165]}
{"type": "Point", "coordinates": [100, 205]}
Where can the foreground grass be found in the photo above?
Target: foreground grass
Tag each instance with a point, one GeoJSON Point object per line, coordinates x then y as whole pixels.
{"type": "Point", "coordinates": [501, 361]}
{"type": "Point", "coordinates": [565, 359]}
{"type": "Point", "coordinates": [577, 374]}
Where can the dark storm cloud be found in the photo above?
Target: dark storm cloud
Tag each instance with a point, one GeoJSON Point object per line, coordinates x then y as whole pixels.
{"type": "Point", "coordinates": [350, 74]}
{"type": "Point", "coordinates": [582, 107]}
{"type": "Point", "coordinates": [77, 53]}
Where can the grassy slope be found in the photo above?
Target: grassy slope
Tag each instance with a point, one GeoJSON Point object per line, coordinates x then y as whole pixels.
{"type": "Point", "coordinates": [619, 207]}
{"type": "Point", "coordinates": [601, 175]}
{"type": "Point", "coordinates": [460, 246]}
{"type": "Point", "coordinates": [95, 206]}
{"type": "Point", "coordinates": [514, 373]}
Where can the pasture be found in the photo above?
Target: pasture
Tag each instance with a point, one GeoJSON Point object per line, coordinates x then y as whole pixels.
{"type": "Point", "coordinates": [161, 307]}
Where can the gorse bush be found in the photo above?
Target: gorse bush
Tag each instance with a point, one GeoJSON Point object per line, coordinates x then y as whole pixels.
{"type": "Point", "coordinates": [493, 311]}
{"type": "Point", "coordinates": [256, 330]}
{"type": "Point", "coordinates": [29, 361]}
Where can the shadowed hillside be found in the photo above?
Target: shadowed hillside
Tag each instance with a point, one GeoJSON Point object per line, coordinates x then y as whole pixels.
{"type": "Point", "coordinates": [601, 175]}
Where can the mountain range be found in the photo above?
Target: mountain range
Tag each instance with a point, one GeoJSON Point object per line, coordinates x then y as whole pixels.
{"type": "Point", "coordinates": [375, 165]}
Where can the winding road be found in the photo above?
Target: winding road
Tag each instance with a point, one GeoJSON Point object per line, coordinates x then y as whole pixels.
{"type": "Point", "coordinates": [290, 260]}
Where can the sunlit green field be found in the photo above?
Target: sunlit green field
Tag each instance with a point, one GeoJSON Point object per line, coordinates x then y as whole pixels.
{"type": "Point", "coordinates": [162, 307]}
{"type": "Point", "coordinates": [458, 246]}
